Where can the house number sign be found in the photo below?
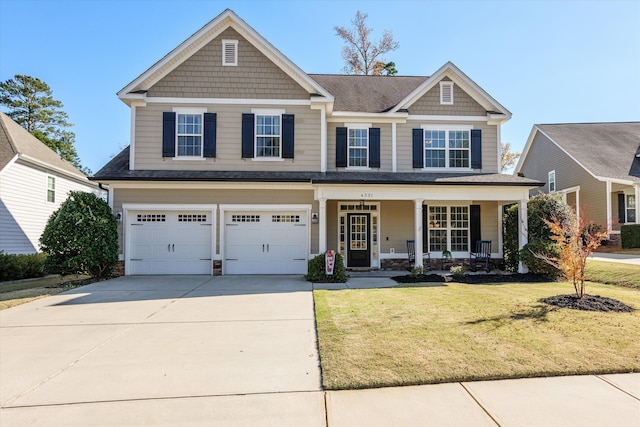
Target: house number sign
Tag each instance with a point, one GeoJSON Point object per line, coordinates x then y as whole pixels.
{"type": "Point", "coordinates": [366, 195]}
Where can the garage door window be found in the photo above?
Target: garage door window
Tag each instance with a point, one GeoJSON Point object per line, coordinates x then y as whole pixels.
{"type": "Point", "coordinates": [152, 217]}
{"type": "Point", "coordinates": [192, 218]}
{"type": "Point", "coordinates": [245, 218]}
{"type": "Point", "coordinates": [285, 218]}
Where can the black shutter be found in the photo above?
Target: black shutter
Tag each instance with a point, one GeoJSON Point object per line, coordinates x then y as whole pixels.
{"type": "Point", "coordinates": [247, 136]}
{"type": "Point", "coordinates": [288, 136]}
{"type": "Point", "coordinates": [476, 149]}
{"type": "Point", "coordinates": [168, 134]}
{"type": "Point", "coordinates": [209, 149]}
{"type": "Point", "coordinates": [425, 229]}
{"type": "Point", "coordinates": [474, 224]}
{"type": "Point", "coordinates": [622, 211]}
{"type": "Point", "coordinates": [341, 147]}
{"type": "Point", "coordinates": [374, 147]}
{"type": "Point", "coordinates": [418, 148]}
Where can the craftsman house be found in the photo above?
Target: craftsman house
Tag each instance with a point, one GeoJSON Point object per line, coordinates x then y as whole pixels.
{"type": "Point", "coordinates": [241, 160]}
{"type": "Point", "coordinates": [594, 167]}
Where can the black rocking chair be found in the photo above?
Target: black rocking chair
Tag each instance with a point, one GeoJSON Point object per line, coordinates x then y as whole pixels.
{"type": "Point", "coordinates": [411, 253]}
{"type": "Point", "coordinates": [481, 256]}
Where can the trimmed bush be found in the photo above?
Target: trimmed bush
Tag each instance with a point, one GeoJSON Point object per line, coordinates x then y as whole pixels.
{"type": "Point", "coordinates": [537, 265]}
{"type": "Point", "coordinates": [630, 235]}
{"type": "Point", "coordinates": [81, 237]}
{"type": "Point", "coordinates": [16, 267]}
{"type": "Point", "coordinates": [317, 270]}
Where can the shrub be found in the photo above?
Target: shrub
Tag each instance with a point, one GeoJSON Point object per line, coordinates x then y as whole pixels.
{"type": "Point", "coordinates": [16, 267]}
{"type": "Point", "coordinates": [81, 237]}
{"type": "Point", "coordinates": [458, 271]}
{"type": "Point", "coordinates": [530, 255]}
{"type": "Point", "coordinates": [510, 249]}
{"type": "Point", "coordinates": [317, 270]}
{"type": "Point", "coordinates": [630, 235]}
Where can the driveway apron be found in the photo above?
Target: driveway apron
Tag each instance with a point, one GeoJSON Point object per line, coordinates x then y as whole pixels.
{"type": "Point", "coordinates": [150, 342]}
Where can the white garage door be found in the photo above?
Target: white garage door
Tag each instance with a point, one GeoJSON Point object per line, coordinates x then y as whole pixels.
{"type": "Point", "coordinates": [170, 242]}
{"type": "Point", "coordinates": [266, 242]}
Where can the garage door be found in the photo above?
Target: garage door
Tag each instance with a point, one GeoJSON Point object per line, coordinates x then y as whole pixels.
{"type": "Point", "coordinates": [170, 242]}
{"type": "Point", "coordinates": [266, 242]}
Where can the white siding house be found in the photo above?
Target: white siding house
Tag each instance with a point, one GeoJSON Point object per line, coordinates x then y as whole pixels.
{"type": "Point", "coordinates": [34, 181]}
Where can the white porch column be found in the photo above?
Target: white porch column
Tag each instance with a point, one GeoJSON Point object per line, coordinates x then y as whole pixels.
{"type": "Point", "coordinates": [500, 230]}
{"type": "Point", "coordinates": [417, 220]}
{"type": "Point", "coordinates": [609, 216]}
{"type": "Point", "coordinates": [522, 227]}
{"type": "Point", "coordinates": [322, 225]}
{"type": "Point", "coordinates": [637, 193]}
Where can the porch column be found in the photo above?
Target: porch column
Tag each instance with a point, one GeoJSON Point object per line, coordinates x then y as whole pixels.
{"type": "Point", "coordinates": [637, 193]}
{"type": "Point", "coordinates": [522, 227]}
{"type": "Point", "coordinates": [500, 230]}
{"type": "Point", "coordinates": [322, 225]}
{"type": "Point", "coordinates": [609, 216]}
{"type": "Point", "coordinates": [417, 221]}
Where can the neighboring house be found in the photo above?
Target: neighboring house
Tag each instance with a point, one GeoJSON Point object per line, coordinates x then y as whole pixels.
{"type": "Point", "coordinates": [34, 181]}
{"type": "Point", "coordinates": [239, 157]}
{"type": "Point", "coordinates": [593, 166]}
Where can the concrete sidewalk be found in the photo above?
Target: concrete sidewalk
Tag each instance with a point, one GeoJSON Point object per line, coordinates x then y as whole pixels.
{"type": "Point", "coordinates": [241, 351]}
{"type": "Point", "coordinates": [620, 258]}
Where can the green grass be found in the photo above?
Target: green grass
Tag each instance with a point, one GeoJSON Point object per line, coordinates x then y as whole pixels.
{"type": "Point", "coordinates": [403, 336]}
{"type": "Point", "coordinates": [613, 273]}
{"type": "Point", "coordinates": [16, 293]}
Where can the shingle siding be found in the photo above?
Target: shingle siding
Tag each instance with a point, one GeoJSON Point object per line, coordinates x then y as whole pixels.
{"type": "Point", "coordinates": [204, 76]}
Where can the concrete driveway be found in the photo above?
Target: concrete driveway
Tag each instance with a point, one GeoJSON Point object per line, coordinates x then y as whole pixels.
{"type": "Point", "coordinates": [130, 351]}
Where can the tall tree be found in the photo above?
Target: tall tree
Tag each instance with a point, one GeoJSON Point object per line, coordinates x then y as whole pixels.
{"type": "Point", "coordinates": [508, 158]}
{"type": "Point", "coordinates": [31, 104]}
{"type": "Point", "coordinates": [361, 55]}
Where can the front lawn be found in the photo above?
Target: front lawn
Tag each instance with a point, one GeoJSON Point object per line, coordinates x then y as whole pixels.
{"type": "Point", "coordinates": [613, 273]}
{"type": "Point", "coordinates": [21, 292]}
{"type": "Point", "coordinates": [460, 332]}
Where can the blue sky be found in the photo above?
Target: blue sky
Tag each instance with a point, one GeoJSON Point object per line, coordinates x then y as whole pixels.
{"type": "Point", "coordinates": [546, 61]}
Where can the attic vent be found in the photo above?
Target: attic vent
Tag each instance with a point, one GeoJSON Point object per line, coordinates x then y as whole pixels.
{"type": "Point", "coordinates": [446, 93]}
{"type": "Point", "coordinates": [230, 52]}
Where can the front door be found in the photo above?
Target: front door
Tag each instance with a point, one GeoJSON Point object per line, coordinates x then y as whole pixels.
{"type": "Point", "coordinates": [358, 248]}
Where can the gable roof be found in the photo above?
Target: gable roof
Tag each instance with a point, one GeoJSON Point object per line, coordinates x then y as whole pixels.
{"type": "Point", "coordinates": [369, 94]}
{"type": "Point", "coordinates": [15, 141]}
{"type": "Point", "coordinates": [605, 150]}
{"type": "Point", "coordinates": [135, 89]}
{"type": "Point", "coordinates": [460, 79]}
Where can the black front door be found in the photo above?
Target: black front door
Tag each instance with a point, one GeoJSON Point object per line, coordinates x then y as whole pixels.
{"type": "Point", "coordinates": [358, 248]}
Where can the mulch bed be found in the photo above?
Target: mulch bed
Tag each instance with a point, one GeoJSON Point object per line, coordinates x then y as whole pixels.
{"type": "Point", "coordinates": [474, 278]}
{"type": "Point", "coordinates": [588, 303]}
{"type": "Point", "coordinates": [77, 283]}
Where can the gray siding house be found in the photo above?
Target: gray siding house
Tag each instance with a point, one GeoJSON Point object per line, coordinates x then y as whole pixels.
{"type": "Point", "coordinates": [595, 167]}
{"type": "Point", "coordinates": [240, 160]}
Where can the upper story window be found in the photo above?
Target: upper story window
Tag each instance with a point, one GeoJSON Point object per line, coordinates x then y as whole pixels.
{"type": "Point", "coordinates": [268, 136]}
{"type": "Point", "coordinates": [51, 189]}
{"type": "Point", "coordinates": [189, 135]}
{"type": "Point", "coordinates": [447, 148]}
{"type": "Point", "coordinates": [230, 52]}
{"type": "Point", "coordinates": [358, 151]}
{"type": "Point", "coordinates": [446, 93]}
{"type": "Point", "coordinates": [552, 181]}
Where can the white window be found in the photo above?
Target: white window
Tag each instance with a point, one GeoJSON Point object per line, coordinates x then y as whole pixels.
{"type": "Point", "coordinates": [448, 228]}
{"type": "Point", "coordinates": [189, 135]}
{"type": "Point", "coordinates": [552, 181]}
{"type": "Point", "coordinates": [630, 206]}
{"type": "Point", "coordinates": [230, 52]}
{"type": "Point", "coordinates": [268, 136]}
{"type": "Point", "coordinates": [358, 147]}
{"type": "Point", "coordinates": [51, 189]}
{"type": "Point", "coordinates": [446, 93]}
{"type": "Point", "coordinates": [447, 148]}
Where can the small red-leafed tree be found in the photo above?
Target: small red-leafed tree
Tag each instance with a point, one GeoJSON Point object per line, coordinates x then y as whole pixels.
{"type": "Point", "coordinates": [576, 238]}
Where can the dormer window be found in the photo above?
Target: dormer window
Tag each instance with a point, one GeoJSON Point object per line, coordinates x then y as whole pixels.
{"type": "Point", "coordinates": [230, 52]}
{"type": "Point", "coordinates": [446, 93]}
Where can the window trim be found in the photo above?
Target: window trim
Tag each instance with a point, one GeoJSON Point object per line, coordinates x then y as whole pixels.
{"type": "Point", "coordinates": [192, 111]}
{"type": "Point", "coordinates": [52, 191]}
{"type": "Point", "coordinates": [550, 180]}
{"type": "Point", "coordinates": [448, 227]}
{"type": "Point", "coordinates": [358, 126]}
{"type": "Point", "coordinates": [443, 85]}
{"type": "Point", "coordinates": [447, 149]}
{"type": "Point", "coordinates": [266, 112]}
{"type": "Point", "coordinates": [627, 208]}
{"type": "Point", "coordinates": [225, 43]}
